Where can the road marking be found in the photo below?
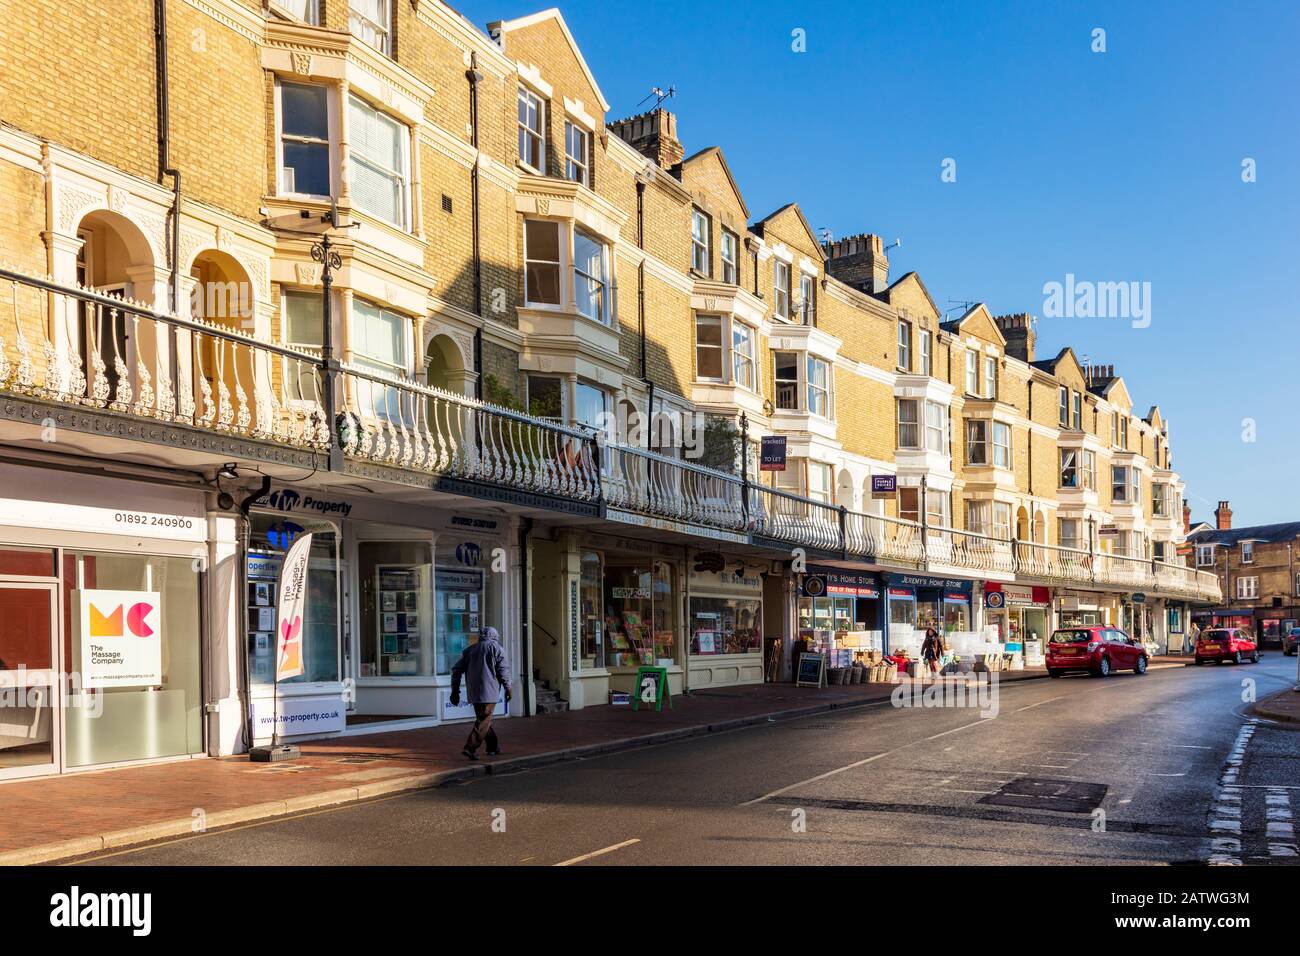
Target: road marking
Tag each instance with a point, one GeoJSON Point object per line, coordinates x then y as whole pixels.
{"type": "Point", "coordinates": [859, 763]}
{"type": "Point", "coordinates": [1192, 746]}
{"type": "Point", "coordinates": [588, 856]}
{"type": "Point", "coordinates": [1151, 773]}
{"type": "Point", "coordinates": [1224, 849]}
{"type": "Point", "coordinates": [1039, 704]}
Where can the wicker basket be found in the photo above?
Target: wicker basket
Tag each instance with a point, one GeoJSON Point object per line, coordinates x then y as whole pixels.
{"type": "Point", "coordinates": [856, 675]}
{"type": "Point", "coordinates": [834, 675]}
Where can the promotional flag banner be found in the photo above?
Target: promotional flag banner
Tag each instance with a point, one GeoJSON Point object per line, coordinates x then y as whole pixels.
{"type": "Point", "coordinates": [289, 618]}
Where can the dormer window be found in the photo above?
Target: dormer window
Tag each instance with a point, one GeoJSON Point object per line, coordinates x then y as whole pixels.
{"type": "Point", "coordinates": [1248, 552]}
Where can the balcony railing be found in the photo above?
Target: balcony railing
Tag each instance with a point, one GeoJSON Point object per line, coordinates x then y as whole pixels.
{"type": "Point", "coordinates": [86, 349]}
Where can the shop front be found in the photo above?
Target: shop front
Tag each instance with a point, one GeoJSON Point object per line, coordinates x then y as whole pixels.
{"type": "Point", "coordinates": [101, 627]}
{"type": "Point", "coordinates": [917, 602]}
{"type": "Point", "coordinates": [395, 594]}
{"type": "Point", "coordinates": [726, 624]}
{"type": "Point", "coordinates": [1021, 613]}
{"type": "Point", "coordinates": [840, 610]}
{"type": "Point", "coordinates": [1225, 617]}
{"type": "Point", "coordinates": [1086, 609]}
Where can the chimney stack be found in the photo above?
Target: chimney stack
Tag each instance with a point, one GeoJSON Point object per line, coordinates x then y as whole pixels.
{"type": "Point", "coordinates": [859, 261]}
{"type": "Point", "coordinates": [1187, 517]}
{"type": "Point", "coordinates": [653, 135]}
{"type": "Point", "coordinates": [1018, 330]}
{"type": "Point", "coordinates": [1223, 517]}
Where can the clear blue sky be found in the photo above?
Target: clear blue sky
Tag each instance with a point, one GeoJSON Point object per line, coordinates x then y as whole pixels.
{"type": "Point", "coordinates": [1116, 166]}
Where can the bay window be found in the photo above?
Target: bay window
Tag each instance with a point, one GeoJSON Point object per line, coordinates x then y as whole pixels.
{"type": "Point", "coordinates": [532, 144]}
{"type": "Point", "coordinates": [302, 317]}
{"type": "Point", "coordinates": [1125, 484]}
{"type": "Point", "coordinates": [576, 151]}
{"type": "Point", "coordinates": [1205, 555]}
{"type": "Point", "coordinates": [591, 276]}
{"type": "Point", "coordinates": [936, 508]}
{"type": "Point", "coordinates": [909, 504]}
{"type": "Point", "coordinates": [742, 356]}
{"type": "Point", "coordinates": [304, 139]}
{"type": "Point", "coordinates": [700, 232]}
{"type": "Point", "coordinates": [545, 397]}
{"type": "Point", "coordinates": [936, 427]}
{"type": "Point", "coordinates": [977, 443]}
{"type": "Point", "coordinates": [781, 288]}
{"type": "Point", "coordinates": [1070, 468]}
{"type": "Point", "coordinates": [1001, 445]}
{"type": "Point", "coordinates": [591, 406]}
{"type": "Point", "coordinates": [378, 338]}
{"type": "Point", "coordinates": [1068, 533]}
{"type": "Point", "coordinates": [371, 21]}
{"type": "Point", "coordinates": [379, 163]}
{"type": "Point", "coordinates": [819, 482]}
{"type": "Point", "coordinates": [1001, 521]}
{"type": "Point", "coordinates": [819, 387]}
{"type": "Point", "coordinates": [978, 516]}
{"type": "Point", "coordinates": [708, 347]}
{"type": "Point", "coordinates": [909, 424]}
{"type": "Point", "coordinates": [541, 262]}
{"type": "Point", "coordinates": [786, 377]}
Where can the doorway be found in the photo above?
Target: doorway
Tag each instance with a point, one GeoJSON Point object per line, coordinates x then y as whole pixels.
{"type": "Point", "coordinates": [30, 691]}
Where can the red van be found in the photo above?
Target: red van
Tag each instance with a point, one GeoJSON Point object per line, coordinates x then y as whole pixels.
{"type": "Point", "coordinates": [1226, 644]}
{"type": "Point", "coordinates": [1097, 650]}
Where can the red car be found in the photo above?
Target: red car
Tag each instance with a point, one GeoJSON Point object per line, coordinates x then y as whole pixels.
{"type": "Point", "coordinates": [1226, 644]}
{"type": "Point", "coordinates": [1097, 650]}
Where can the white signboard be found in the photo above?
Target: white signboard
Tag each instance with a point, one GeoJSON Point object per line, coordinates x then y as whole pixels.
{"type": "Point", "coordinates": [298, 716]}
{"type": "Point", "coordinates": [120, 638]}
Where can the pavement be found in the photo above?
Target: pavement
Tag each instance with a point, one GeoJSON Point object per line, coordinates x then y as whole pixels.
{"type": "Point", "coordinates": [75, 815]}
{"type": "Point", "coordinates": [1164, 769]}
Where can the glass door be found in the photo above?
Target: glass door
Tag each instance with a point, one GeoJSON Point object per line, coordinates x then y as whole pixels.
{"type": "Point", "coordinates": [29, 687]}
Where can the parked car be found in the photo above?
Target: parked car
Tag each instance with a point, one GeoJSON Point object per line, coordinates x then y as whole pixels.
{"type": "Point", "coordinates": [1097, 650]}
{"type": "Point", "coordinates": [1226, 644]}
{"type": "Point", "coordinates": [1290, 641]}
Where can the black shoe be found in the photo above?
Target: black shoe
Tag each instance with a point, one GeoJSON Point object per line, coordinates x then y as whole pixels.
{"type": "Point", "coordinates": [494, 753]}
{"type": "Point", "coordinates": [470, 754]}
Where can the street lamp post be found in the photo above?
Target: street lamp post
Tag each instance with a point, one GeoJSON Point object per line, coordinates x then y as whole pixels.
{"type": "Point", "coordinates": [329, 258]}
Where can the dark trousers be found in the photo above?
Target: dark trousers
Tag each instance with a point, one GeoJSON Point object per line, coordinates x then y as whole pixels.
{"type": "Point", "coordinates": [482, 731]}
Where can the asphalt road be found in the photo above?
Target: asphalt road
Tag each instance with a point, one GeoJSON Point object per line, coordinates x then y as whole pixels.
{"type": "Point", "coordinates": [1122, 770]}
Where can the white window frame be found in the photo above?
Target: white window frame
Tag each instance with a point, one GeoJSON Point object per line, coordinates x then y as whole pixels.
{"type": "Point", "coordinates": [1072, 540]}
{"type": "Point", "coordinates": [532, 100]}
{"type": "Point", "coordinates": [1063, 406]}
{"type": "Point", "coordinates": [781, 288]}
{"type": "Point", "coordinates": [310, 10]}
{"type": "Point", "coordinates": [1119, 481]}
{"type": "Point", "coordinates": [937, 429]}
{"type": "Point", "coordinates": [1001, 449]}
{"type": "Point", "coordinates": [904, 345]}
{"type": "Point", "coordinates": [701, 241]}
{"type": "Point", "coordinates": [383, 31]}
{"type": "Point", "coordinates": [1247, 587]}
{"type": "Point", "coordinates": [331, 144]}
{"type": "Point", "coordinates": [401, 177]}
{"type": "Point", "coordinates": [730, 266]}
{"type": "Point", "coordinates": [576, 169]}
{"type": "Point", "coordinates": [1001, 521]}
{"type": "Point", "coordinates": [807, 299]}
{"type": "Point", "coordinates": [1076, 407]}
{"type": "Point", "coordinates": [924, 340]}
{"type": "Point", "coordinates": [972, 372]}
{"type": "Point", "coordinates": [796, 384]}
{"type": "Point", "coordinates": [1248, 552]}
{"type": "Point", "coordinates": [560, 266]}
{"type": "Point", "coordinates": [909, 424]}
{"type": "Point", "coordinates": [991, 376]}
{"type": "Point", "coordinates": [817, 391]}
{"type": "Point", "coordinates": [605, 280]}
{"type": "Point", "coordinates": [979, 516]}
{"type": "Point", "coordinates": [1205, 556]}
{"type": "Point", "coordinates": [711, 321]}
{"type": "Point", "coordinates": [744, 361]}
{"type": "Point", "coordinates": [977, 437]}
{"type": "Point", "coordinates": [825, 495]}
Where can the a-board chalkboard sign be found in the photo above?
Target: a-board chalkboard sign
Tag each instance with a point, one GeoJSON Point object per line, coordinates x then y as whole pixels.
{"type": "Point", "coordinates": [652, 685]}
{"type": "Point", "coordinates": [812, 670]}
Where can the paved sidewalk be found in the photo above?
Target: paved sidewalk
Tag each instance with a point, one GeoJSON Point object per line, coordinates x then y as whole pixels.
{"type": "Point", "coordinates": [1283, 706]}
{"type": "Point", "coordinates": [76, 814]}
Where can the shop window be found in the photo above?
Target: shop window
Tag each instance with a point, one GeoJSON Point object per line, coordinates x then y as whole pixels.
{"type": "Point", "coordinates": [27, 563]}
{"type": "Point", "coordinates": [593, 633]}
{"type": "Point", "coordinates": [270, 537]}
{"type": "Point", "coordinates": [640, 614]}
{"type": "Point", "coordinates": [726, 626]}
{"type": "Point", "coordinates": [541, 262]}
{"type": "Point", "coordinates": [466, 598]}
{"type": "Point", "coordinates": [396, 624]}
{"type": "Point", "coordinates": [157, 713]}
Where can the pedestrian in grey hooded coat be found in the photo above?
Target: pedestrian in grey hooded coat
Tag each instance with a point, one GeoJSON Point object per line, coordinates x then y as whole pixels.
{"type": "Point", "coordinates": [483, 666]}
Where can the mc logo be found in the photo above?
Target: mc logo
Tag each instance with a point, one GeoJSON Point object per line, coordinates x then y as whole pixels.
{"type": "Point", "coordinates": [136, 618]}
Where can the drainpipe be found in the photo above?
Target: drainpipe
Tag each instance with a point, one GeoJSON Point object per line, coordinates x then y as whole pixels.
{"type": "Point", "coordinates": [525, 615]}
{"type": "Point", "coordinates": [474, 76]}
{"type": "Point", "coordinates": [640, 311]}
{"type": "Point", "coordinates": [165, 167]}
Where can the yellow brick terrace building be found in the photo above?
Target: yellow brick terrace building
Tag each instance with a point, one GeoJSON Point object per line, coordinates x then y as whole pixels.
{"type": "Point", "coordinates": [360, 270]}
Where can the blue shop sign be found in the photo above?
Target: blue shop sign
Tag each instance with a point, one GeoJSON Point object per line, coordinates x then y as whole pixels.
{"type": "Point", "coordinates": [845, 581]}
